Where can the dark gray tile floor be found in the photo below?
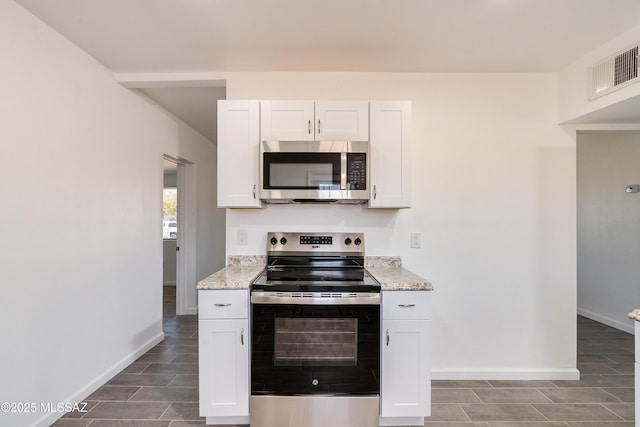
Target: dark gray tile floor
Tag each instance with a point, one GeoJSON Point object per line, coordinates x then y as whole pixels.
{"type": "Point", "coordinates": [602, 397]}
{"type": "Point", "coordinates": [160, 389]}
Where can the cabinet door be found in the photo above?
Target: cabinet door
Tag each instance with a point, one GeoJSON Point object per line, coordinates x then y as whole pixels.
{"type": "Point", "coordinates": [238, 154]}
{"type": "Point", "coordinates": [637, 392]}
{"type": "Point", "coordinates": [637, 371]}
{"type": "Point", "coordinates": [405, 378]}
{"type": "Point", "coordinates": [287, 121]}
{"type": "Point", "coordinates": [224, 367]}
{"type": "Point", "coordinates": [390, 145]}
{"type": "Point", "coordinates": [342, 120]}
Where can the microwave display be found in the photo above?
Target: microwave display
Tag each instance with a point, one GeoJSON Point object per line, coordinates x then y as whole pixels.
{"type": "Point", "coordinates": [356, 171]}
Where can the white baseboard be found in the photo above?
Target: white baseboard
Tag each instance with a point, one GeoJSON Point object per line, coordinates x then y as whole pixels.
{"type": "Point", "coordinates": [506, 374]}
{"type": "Point", "coordinates": [227, 420]}
{"type": "Point", "coordinates": [190, 310]}
{"type": "Point", "coordinates": [626, 327]}
{"type": "Point", "coordinates": [77, 397]}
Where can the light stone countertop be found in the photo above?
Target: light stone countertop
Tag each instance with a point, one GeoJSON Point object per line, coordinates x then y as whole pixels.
{"type": "Point", "coordinates": [234, 277]}
{"type": "Point", "coordinates": [635, 314]}
{"type": "Point", "coordinates": [399, 279]}
{"type": "Point", "coordinates": [242, 270]}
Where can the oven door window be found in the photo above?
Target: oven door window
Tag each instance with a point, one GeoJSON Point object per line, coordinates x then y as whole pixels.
{"type": "Point", "coordinates": [315, 349]}
{"type": "Point", "coordinates": [316, 342]}
{"type": "Point", "coordinates": [301, 171]}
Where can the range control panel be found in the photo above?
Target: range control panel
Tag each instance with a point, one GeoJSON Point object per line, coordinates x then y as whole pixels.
{"type": "Point", "coordinates": [316, 240]}
{"type": "Point", "coordinates": [279, 242]}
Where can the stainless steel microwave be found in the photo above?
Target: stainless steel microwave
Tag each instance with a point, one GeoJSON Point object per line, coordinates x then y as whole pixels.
{"type": "Point", "coordinates": [314, 171]}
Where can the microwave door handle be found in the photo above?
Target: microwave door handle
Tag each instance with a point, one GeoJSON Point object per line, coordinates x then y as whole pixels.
{"type": "Point", "coordinates": [343, 171]}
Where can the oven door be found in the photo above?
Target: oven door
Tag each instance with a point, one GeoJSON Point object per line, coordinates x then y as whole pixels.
{"type": "Point", "coordinates": [315, 345]}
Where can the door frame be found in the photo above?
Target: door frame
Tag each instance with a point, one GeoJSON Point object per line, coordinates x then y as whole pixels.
{"type": "Point", "coordinates": [186, 242]}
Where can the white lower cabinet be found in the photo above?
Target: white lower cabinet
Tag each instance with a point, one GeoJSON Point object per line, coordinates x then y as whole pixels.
{"type": "Point", "coordinates": [637, 382]}
{"type": "Point", "coordinates": [223, 334]}
{"type": "Point", "coordinates": [405, 378]}
{"type": "Point", "coordinates": [405, 368]}
{"type": "Point", "coordinates": [637, 372]}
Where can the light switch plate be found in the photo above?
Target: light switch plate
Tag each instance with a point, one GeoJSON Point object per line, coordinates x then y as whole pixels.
{"type": "Point", "coordinates": [415, 240]}
{"type": "Point", "coordinates": [243, 237]}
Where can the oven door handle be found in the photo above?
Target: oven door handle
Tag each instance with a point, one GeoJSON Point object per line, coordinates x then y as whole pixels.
{"type": "Point", "coordinates": [315, 298]}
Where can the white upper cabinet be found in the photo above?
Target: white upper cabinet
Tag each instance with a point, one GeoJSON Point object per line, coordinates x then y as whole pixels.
{"type": "Point", "coordinates": [238, 154]}
{"type": "Point", "coordinates": [287, 121]}
{"type": "Point", "coordinates": [314, 121]}
{"type": "Point", "coordinates": [390, 154]}
{"type": "Point", "coordinates": [342, 120]}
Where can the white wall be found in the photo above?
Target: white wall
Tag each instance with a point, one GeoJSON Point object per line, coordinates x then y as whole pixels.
{"type": "Point", "coordinates": [494, 200]}
{"type": "Point", "coordinates": [81, 242]}
{"type": "Point", "coordinates": [608, 226]}
{"type": "Point", "coordinates": [573, 102]}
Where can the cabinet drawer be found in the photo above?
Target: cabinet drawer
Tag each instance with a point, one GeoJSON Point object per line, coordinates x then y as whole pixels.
{"type": "Point", "coordinates": [406, 305]}
{"type": "Point", "coordinates": [223, 304]}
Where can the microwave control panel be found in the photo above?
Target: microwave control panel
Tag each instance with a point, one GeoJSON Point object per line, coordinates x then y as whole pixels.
{"type": "Point", "coordinates": [356, 171]}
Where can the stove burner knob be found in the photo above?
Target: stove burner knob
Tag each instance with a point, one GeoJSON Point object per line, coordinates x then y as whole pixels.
{"type": "Point", "coordinates": [283, 241]}
{"type": "Point", "coordinates": [315, 381]}
{"type": "Point", "coordinates": [358, 242]}
{"type": "Point", "coordinates": [347, 241]}
{"type": "Point", "coordinates": [274, 241]}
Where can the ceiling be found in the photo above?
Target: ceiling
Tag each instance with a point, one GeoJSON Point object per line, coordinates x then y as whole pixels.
{"type": "Point", "coordinates": [196, 106]}
{"type": "Point", "coordinates": [160, 36]}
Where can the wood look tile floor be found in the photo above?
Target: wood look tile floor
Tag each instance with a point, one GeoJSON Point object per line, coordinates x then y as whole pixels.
{"type": "Point", "coordinates": [160, 389]}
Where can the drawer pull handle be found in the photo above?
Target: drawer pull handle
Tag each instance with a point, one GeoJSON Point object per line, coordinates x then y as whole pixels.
{"type": "Point", "coordinates": [227, 304]}
{"type": "Point", "coordinates": [406, 305]}
{"type": "Point", "coordinates": [387, 338]}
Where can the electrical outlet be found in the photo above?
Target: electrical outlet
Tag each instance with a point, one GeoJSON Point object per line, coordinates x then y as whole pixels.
{"type": "Point", "coordinates": [243, 237]}
{"type": "Point", "coordinates": [634, 188]}
{"type": "Point", "coordinates": [415, 240]}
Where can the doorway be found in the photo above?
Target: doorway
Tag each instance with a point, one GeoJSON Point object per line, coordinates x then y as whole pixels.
{"type": "Point", "coordinates": [169, 237]}
{"type": "Point", "coordinates": [185, 232]}
{"type": "Point", "coordinates": [608, 171]}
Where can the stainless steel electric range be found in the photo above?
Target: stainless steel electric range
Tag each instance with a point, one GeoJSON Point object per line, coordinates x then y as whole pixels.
{"type": "Point", "coordinates": [315, 355]}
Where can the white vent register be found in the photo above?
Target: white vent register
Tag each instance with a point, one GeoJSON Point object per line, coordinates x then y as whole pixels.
{"type": "Point", "coordinates": [615, 72]}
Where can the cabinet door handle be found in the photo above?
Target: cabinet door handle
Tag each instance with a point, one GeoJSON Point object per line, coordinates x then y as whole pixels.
{"type": "Point", "coordinates": [242, 336]}
{"type": "Point", "coordinates": [309, 127]}
{"type": "Point", "coordinates": [387, 338]}
{"type": "Point", "coordinates": [226, 304]}
{"type": "Point", "coordinates": [375, 192]}
{"type": "Point", "coordinates": [318, 125]}
{"type": "Point", "coordinates": [406, 305]}
{"type": "Point", "coordinates": [254, 191]}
